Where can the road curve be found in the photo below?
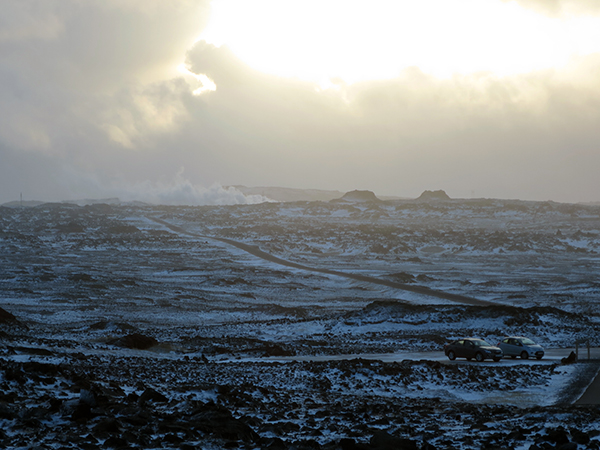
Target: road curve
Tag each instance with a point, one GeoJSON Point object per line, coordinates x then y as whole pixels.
{"type": "Point", "coordinates": [254, 250]}
{"type": "Point", "coordinates": [591, 394]}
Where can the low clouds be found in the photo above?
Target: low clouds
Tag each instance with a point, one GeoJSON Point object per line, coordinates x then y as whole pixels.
{"type": "Point", "coordinates": [508, 134]}
{"type": "Point", "coordinates": [92, 106]}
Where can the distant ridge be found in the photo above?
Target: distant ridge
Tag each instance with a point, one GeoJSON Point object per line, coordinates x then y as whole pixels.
{"type": "Point", "coordinates": [25, 204]}
{"type": "Point", "coordinates": [113, 201]}
{"type": "Point", "coordinates": [282, 194]}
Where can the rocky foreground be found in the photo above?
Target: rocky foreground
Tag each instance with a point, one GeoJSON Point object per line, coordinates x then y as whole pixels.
{"type": "Point", "coordinates": [138, 399]}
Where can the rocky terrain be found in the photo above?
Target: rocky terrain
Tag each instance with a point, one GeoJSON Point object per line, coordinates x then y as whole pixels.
{"type": "Point", "coordinates": [118, 332]}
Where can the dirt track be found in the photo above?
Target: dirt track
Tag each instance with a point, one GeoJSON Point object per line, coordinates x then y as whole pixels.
{"type": "Point", "coordinates": [254, 250]}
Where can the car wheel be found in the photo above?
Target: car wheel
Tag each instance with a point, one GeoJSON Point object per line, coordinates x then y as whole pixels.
{"type": "Point", "coordinates": [539, 357]}
{"type": "Point", "coordinates": [479, 357]}
{"type": "Point", "coordinates": [451, 355]}
{"type": "Point", "coordinates": [524, 355]}
{"type": "Point", "coordinates": [497, 359]}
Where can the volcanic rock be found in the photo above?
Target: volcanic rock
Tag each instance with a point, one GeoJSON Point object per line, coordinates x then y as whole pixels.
{"type": "Point", "coordinates": [276, 350]}
{"type": "Point", "coordinates": [218, 421]}
{"type": "Point", "coordinates": [360, 196]}
{"type": "Point", "coordinates": [558, 435]}
{"type": "Point", "coordinates": [135, 341]}
{"type": "Point", "coordinates": [152, 395]}
{"type": "Point", "coordinates": [384, 441]}
{"type": "Point", "coordinates": [571, 359]}
{"type": "Point", "coordinates": [6, 317]}
{"type": "Point", "coordinates": [433, 195]}
{"type": "Point", "coordinates": [579, 436]}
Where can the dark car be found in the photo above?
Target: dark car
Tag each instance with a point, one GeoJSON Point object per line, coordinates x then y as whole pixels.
{"type": "Point", "coordinates": [472, 348]}
{"type": "Point", "coordinates": [514, 346]}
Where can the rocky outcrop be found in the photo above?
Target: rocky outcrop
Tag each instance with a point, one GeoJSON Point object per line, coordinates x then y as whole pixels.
{"type": "Point", "coordinates": [434, 195]}
{"type": "Point", "coordinates": [360, 196]}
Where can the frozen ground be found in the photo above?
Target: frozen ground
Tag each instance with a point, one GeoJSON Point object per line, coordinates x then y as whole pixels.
{"type": "Point", "coordinates": [243, 352]}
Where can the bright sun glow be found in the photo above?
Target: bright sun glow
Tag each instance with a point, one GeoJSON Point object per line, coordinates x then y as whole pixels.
{"type": "Point", "coordinates": [319, 40]}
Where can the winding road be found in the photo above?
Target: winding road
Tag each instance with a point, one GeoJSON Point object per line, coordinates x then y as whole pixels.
{"type": "Point", "coordinates": [254, 250]}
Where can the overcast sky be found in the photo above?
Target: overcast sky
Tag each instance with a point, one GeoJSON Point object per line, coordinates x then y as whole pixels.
{"type": "Point", "coordinates": [168, 100]}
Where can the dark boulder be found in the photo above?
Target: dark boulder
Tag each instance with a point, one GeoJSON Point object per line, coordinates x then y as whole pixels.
{"type": "Point", "coordinates": [135, 341]}
{"type": "Point", "coordinates": [276, 350]}
{"type": "Point", "coordinates": [6, 317]}
{"type": "Point", "coordinates": [384, 441]}
{"type": "Point", "coordinates": [351, 444]}
{"type": "Point", "coordinates": [7, 412]}
{"type": "Point", "coordinates": [82, 278]}
{"type": "Point", "coordinates": [82, 413]}
{"type": "Point", "coordinates": [218, 421]}
{"type": "Point", "coordinates": [151, 395]}
{"type": "Point", "coordinates": [116, 442]}
{"type": "Point", "coordinates": [558, 435]}
{"type": "Point", "coordinates": [107, 425]}
{"type": "Point", "coordinates": [571, 359]}
{"type": "Point", "coordinates": [580, 437]}
{"type": "Point", "coordinates": [273, 443]}
{"type": "Point", "coordinates": [568, 446]}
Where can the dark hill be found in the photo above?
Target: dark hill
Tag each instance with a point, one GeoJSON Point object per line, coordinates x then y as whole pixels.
{"type": "Point", "coordinates": [360, 196]}
{"type": "Point", "coordinates": [434, 195]}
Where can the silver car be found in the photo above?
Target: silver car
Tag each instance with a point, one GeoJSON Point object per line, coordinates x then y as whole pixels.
{"type": "Point", "coordinates": [514, 346]}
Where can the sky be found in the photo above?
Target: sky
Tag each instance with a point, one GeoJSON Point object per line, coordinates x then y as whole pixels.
{"type": "Point", "coordinates": [172, 101]}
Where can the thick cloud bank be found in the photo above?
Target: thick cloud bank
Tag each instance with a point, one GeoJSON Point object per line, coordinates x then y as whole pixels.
{"type": "Point", "coordinates": [92, 105]}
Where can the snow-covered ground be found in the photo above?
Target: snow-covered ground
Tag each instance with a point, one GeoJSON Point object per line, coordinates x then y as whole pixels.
{"type": "Point", "coordinates": [287, 356]}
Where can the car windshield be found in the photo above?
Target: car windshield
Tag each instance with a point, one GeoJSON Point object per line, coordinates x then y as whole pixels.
{"type": "Point", "coordinates": [480, 343]}
{"type": "Point", "coordinates": [526, 341]}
